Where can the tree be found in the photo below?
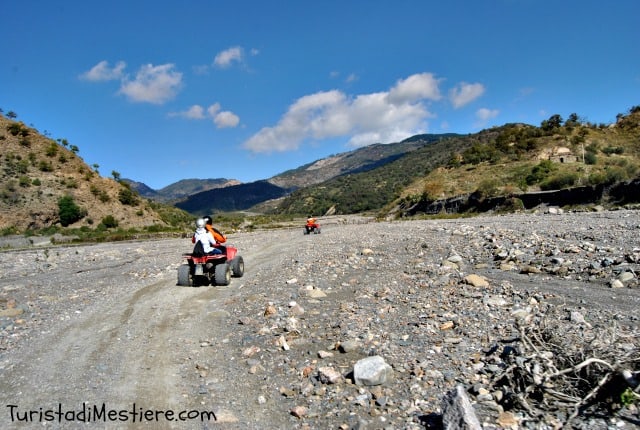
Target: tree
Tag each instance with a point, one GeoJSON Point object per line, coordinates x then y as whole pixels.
{"type": "Point", "coordinates": [116, 175]}
{"type": "Point", "coordinates": [572, 121]}
{"type": "Point", "coordinates": [554, 122]}
{"type": "Point", "coordinates": [12, 115]}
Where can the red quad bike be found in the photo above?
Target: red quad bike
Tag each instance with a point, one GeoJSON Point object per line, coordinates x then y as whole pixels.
{"type": "Point", "coordinates": [312, 227]}
{"type": "Point", "coordinates": [215, 269]}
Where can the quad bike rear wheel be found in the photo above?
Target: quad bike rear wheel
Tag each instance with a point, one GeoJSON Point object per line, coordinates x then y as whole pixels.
{"type": "Point", "coordinates": [184, 276]}
{"type": "Point", "coordinates": [222, 274]}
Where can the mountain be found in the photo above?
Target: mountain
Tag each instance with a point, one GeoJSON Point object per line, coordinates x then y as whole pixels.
{"type": "Point", "coordinates": [359, 160]}
{"type": "Point", "coordinates": [231, 198]}
{"type": "Point", "coordinates": [181, 189]}
{"type": "Point", "coordinates": [44, 183]}
{"type": "Point", "coordinates": [245, 196]}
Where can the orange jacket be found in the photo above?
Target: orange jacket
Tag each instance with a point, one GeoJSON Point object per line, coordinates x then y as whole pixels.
{"type": "Point", "coordinates": [219, 237]}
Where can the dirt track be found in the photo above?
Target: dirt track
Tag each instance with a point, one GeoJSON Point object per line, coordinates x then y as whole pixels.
{"type": "Point", "coordinates": [107, 325]}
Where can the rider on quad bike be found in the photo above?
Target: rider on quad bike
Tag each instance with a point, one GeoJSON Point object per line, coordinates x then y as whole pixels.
{"type": "Point", "coordinates": [203, 237]}
{"type": "Point", "coordinates": [311, 226]}
{"type": "Point", "coordinates": [209, 262]}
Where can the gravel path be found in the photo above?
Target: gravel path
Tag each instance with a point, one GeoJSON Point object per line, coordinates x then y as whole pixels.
{"type": "Point", "coordinates": [85, 330]}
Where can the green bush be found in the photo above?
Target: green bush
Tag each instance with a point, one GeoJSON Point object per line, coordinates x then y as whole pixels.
{"type": "Point", "coordinates": [127, 197]}
{"type": "Point", "coordinates": [45, 167]}
{"type": "Point", "coordinates": [52, 149]}
{"type": "Point", "coordinates": [559, 181]}
{"type": "Point", "coordinates": [590, 158]}
{"type": "Point", "coordinates": [69, 212]}
{"type": "Point", "coordinates": [540, 172]}
{"type": "Point", "coordinates": [488, 187]}
{"type": "Point", "coordinates": [613, 150]}
{"type": "Point", "coordinates": [109, 222]}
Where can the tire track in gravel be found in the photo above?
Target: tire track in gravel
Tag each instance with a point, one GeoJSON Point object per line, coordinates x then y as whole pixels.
{"type": "Point", "coordinates": [131, 353]}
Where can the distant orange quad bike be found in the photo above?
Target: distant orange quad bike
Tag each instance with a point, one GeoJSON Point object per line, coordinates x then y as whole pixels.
{"type": "Point", "coordinates": [312, 227]}
{"type": "Point", "coordinates": [213, 269]}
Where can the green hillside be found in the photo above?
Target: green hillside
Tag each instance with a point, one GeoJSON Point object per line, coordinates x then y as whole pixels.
{"type": "Point", "coordinates": [502, 160]}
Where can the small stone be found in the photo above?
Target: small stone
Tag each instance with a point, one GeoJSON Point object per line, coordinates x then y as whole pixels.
{"type": "Point", "coordinates": [11, 312]}
{"type": "Point", "coordinates": [616, 283]}
{"type": "Point", "coordinates": [270, 310]}
{"type": "Point", "coordinates": [625, 277]}
{"type": "Point", "coordinates": [476, 280]}
{"type": "Point", "coordinates": [446, 325]}
{"type": "Point", "coordinates": [299, 411]}
{"type": "Point", "coordinates": [287, 392]}
{"type": "Point", "coordinates": [348, 346]}
{"type": "Point", "coordinates": [372, 371]}
{"type": "Point", "coordinates": [251, 351]}
{"type": "Point", "coordinates": [316, 293]}
{"type": "Point", "coordinates": [507, 419]}
{"type": "Point", "coordinates": [325, 354]}
{"type": "Point", "coordinates": [328, 375]}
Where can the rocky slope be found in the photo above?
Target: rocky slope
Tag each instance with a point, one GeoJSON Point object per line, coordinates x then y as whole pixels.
{"type": "Point", "coordinates": [36, 171]}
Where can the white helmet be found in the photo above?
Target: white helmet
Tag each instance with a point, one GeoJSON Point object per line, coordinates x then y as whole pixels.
{"type": "Point", "coordinates": [200, 223]}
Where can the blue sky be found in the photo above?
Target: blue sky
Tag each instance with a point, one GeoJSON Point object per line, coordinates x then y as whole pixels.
{"type": "Point", "coordinates": [166, 90]}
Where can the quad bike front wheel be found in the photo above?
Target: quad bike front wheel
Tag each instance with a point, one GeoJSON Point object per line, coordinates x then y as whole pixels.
{"type": "Point", "coordinates": [184, 276]}
{"type": "Point", "coordinates": [237, 266]}
{"type": "Point", "coordinates": [222, 275]}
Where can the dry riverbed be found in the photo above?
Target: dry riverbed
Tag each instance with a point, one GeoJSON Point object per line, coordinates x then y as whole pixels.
{"type": "Point", "coordinates": [481, 303]}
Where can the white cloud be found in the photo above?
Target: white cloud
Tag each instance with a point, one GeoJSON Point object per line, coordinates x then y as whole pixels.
{"type": "Point", "coordinates": [483, 115]}
{"type": "Point", "coordinates": [465, 93]}
{"type": "Point", "coordinates": [225, 58]}
{"type": "Point", "coordinates": [153, 84]}
{"type": "Point", "coordinates": [415, 87]}
{"type": "Point", "coordinates": [194, 112]}
{"type": "Point", "coordinates": [102, 72]}
{"type": "Point", "coordinates": [367, 118]}
{"type": "Point", "coordinates": [226, 119]}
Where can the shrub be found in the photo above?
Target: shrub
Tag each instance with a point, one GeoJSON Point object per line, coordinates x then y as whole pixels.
{"type": "Point", "coordinates": [52, 149]}
{"type": "Point", "coordinates": [540, 172]}
{"type": "Point", "coordinates": [613, 150]}
{"type": "Point", "coordinates": [590, 158]}
{"type": "Point", "coordinates": [14, 128]}
{"type": "Point", "coordinates": [127, 197]}
{"type": "Point", "coordinates": [559, 181]}
{"type": "Point", "coordinates": [488, 187]}
{"type": "Point", "coordinates": [109, 222]}
{"type": "Point", "coordinates": [45, 166]}
{"type": "Point", "coordinates": [68, 211]}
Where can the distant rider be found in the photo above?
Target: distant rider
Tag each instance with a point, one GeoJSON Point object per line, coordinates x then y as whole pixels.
{"type": "Point", "coordinates": [311, 223]}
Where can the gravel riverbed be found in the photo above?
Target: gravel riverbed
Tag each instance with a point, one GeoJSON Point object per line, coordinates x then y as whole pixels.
{"type": "Point", "coordinates": [423, 306]}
